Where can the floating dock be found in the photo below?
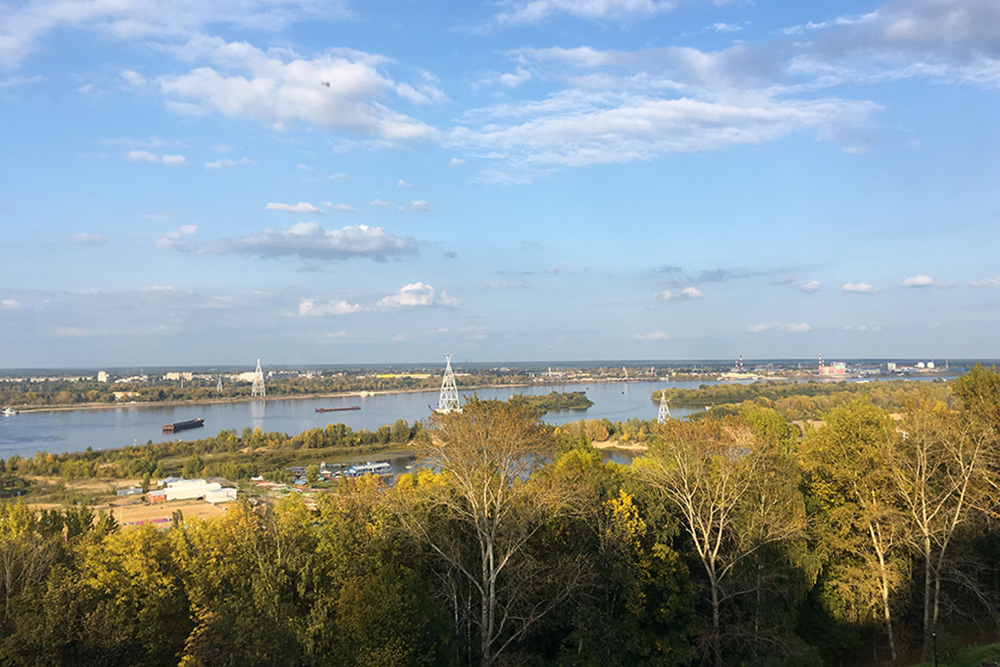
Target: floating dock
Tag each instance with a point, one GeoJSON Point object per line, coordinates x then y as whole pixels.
{"type": "Point", "coordinates": [183, 426]}
{"type": "Point", "coordinates": [352, 407]}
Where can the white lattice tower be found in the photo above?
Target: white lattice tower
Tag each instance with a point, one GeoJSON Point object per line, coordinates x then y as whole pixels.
{"type": "Point", "coordinates": [257, 390]}
{"type": "Point", "coordinates": [448, 402]}
{"type": "Point", "coordinates": [664, 415]}
{"type": "Point", "coordinates": [218, 387]}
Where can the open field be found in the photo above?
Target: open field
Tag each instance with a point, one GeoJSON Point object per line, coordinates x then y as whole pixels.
{"type": "Point", "coordinates": [137, 512]}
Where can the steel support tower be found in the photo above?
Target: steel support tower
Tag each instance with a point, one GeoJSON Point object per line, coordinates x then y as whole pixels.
{"type": "Point", "coordinates": [257, 390]}
{"type": "Point", "coordinates": [664, 415]}
{"type": "Point", "coordinates": [448, 402]}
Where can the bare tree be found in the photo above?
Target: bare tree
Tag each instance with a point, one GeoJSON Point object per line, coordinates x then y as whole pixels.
{"type": "Point", "coordinates": [721, 480]}
{"type": "Point", "coordinates": [939, 469]}
{"type": "Point", "coordinates": [480, 512]}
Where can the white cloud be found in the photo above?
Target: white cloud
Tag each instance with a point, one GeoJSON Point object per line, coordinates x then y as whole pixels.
{"type": "Point", "coordinates": [10, 304]}
{"type": "Point", "coordinates": [24, 24]}
{"type": "Point", "coordinates": [337, 335]}
{"type": "Point", "coordinates": [309, 240]}
{"type": "Point", "coordinates": [416, 295]}
{"type": "Point", "coordinates": [988, 282]}
{"type": "Point", "coordinates": [513, 80]}
{"type": "Point", "coordinates": [727, 27]}
{"type": "Point", "coordinates": [382, 202]}
{"type": "Point", "coordinates": [918, 281]}
{"type": "Point", "coordinates": [809, 287]}
{"type": "Point", "coordinates": [623, 106]}
{"type": "Point", "coordinates": [301, 207]}
{"type": "Point", "coordinates": [309, 307]}
{"type": "Point", "coordinates": [141, 156]}
{"type": "Point", "coordinates": [952, 40]}
{"type": "Point", "coordinates": [652, 335]}
{"type": "Point", "coordinates": [343, 208]}
{"type": "Point", "coordinates": [146, 156]}
{"type": "Point", "coordinates": [403, 184]}
{"type": "Point", "coordinates": [176, 238]}
{"type": "Point", "coordinates": [227, 163]}
{"type": "Point", "coordinates": [455, 161]}
{"type": "Point", "coordinates": [419, 205]}
{"type": "Point", "coordinates": [683, 293]}
{"type": "Point", "coordinates": [623, 11]}
{"type": "Point", "coordinates": [791, 327]}
{"type": "Point", "coordinates": [337, 177]}
{"type": "Point", "coordinates": [858, 288]}
{"type": "Point", "coordinates": [342, 90]}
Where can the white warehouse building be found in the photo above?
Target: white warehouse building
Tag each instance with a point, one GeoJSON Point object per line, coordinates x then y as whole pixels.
{"type": "Point", "coordinates": [187, 489]}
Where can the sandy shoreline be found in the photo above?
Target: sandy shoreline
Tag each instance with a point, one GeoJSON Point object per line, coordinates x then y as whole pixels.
{"type": "Point", "coordinates": [617, 444]}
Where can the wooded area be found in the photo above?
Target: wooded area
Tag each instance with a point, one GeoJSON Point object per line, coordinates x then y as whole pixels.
{"type": "Point", "coordinates": [735, 541]}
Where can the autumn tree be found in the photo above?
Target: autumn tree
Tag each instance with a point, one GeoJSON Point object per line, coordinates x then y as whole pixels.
{"type": "Point", "coordinates": [479, 515]}
{"type": "Point", "coordinates": [858, 528]}
{"type": "Point", "coordinates": [721, 480]}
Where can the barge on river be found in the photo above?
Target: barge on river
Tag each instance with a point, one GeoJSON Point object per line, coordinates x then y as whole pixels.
{"type": "Point", "coordinates": [351, 407]}
{"type": "Point", "coordinates": [183, 426]}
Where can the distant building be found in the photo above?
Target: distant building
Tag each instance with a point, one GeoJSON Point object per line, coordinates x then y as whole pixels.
{"type": "Point", "coordinates": [836, 368]}
{"type": "Point", "coordinates": [102, 376]}
{"type": "Point", "coordinates": [891, 366]}
{"type": "Point", "coordinates": [187, 489]}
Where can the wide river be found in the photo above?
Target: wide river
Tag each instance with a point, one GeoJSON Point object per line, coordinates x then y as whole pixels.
{"type": "Point", "coordinates": [107, 428]}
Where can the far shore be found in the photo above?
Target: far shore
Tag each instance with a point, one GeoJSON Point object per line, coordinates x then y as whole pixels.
{"type": "Point", "coordinates": [248, 399]}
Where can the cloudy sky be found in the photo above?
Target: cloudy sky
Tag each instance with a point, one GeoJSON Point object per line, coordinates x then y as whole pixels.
{"type": "Point", "coordinates": [311, 181]}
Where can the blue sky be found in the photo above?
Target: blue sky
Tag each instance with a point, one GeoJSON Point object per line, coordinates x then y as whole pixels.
{"type": "Point", "coordinates": [310, 182]}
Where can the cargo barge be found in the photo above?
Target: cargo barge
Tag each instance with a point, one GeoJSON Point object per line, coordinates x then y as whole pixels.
{"type": "Point", "coordinates": [183, 426]}
{"type": "Point", "coordinates": [353, 407]}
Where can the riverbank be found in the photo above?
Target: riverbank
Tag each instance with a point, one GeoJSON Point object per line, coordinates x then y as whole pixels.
{"type": "Point", "coordinates": [618, 444]}
{"type": "Point", "coordinates": [333, 395]}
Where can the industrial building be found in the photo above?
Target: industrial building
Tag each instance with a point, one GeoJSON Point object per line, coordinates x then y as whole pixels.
{"type": "Point", "coordinates": [187, 489]}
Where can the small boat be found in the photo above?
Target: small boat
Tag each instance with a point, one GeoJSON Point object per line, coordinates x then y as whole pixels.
{"type": "Point", "coordinates": [9, 412]}
{"type": "Point", "coordinates": [183, 426]}
{"type": "Point", "coordinates": [351, 407]}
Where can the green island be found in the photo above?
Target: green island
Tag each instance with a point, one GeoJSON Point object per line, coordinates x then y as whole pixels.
{"type": "Point", "coordinates": [555, 401]}
{"type": "Point", "coordinates": [852, 524]}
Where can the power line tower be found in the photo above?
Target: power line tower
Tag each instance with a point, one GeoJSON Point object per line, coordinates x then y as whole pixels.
{"type": "Point", "coordinates": [257, 390]}
{"type": "Point", "coordinates": [448, 402]}
{"type": "Point", "coordinates": [218, 387]}
{"type": "Point", "coordinates": [664, 415]}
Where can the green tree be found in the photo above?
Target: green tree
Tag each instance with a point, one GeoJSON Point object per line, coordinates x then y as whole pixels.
{"type": "Point", "coordinates": [858, 527]}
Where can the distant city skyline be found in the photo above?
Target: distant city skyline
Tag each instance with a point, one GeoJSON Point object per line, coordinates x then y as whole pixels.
{"type": "Point", "coordinates": [354, 183]}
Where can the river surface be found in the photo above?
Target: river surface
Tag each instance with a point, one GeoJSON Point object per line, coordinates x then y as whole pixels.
{"type": "Point", "coordinates": [62, 431]}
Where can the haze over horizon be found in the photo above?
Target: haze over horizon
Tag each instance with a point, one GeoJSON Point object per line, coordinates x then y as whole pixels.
{"type": "Point", "coordinates": [319, 183]}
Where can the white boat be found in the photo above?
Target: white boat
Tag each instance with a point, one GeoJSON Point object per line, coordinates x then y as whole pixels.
{"type": "Point", "coordinates": [9, 412]}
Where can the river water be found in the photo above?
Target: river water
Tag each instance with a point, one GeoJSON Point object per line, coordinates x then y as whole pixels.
{"type": "Point", "coordinates": [56, 432]}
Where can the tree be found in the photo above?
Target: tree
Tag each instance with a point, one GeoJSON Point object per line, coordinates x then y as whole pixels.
{"type": "Point", "coordinates": [479, 515]}
{"type": "Point", "coordinates": [941, 472]}
{"type": "Point", "coordinates": [722, 482]}
{"type": "Point", "coordinates": [193, 466]}
{"type": "Point", "coordinates": [858, 527]}
{"type": "Point", "coordinates": [312, 473]}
